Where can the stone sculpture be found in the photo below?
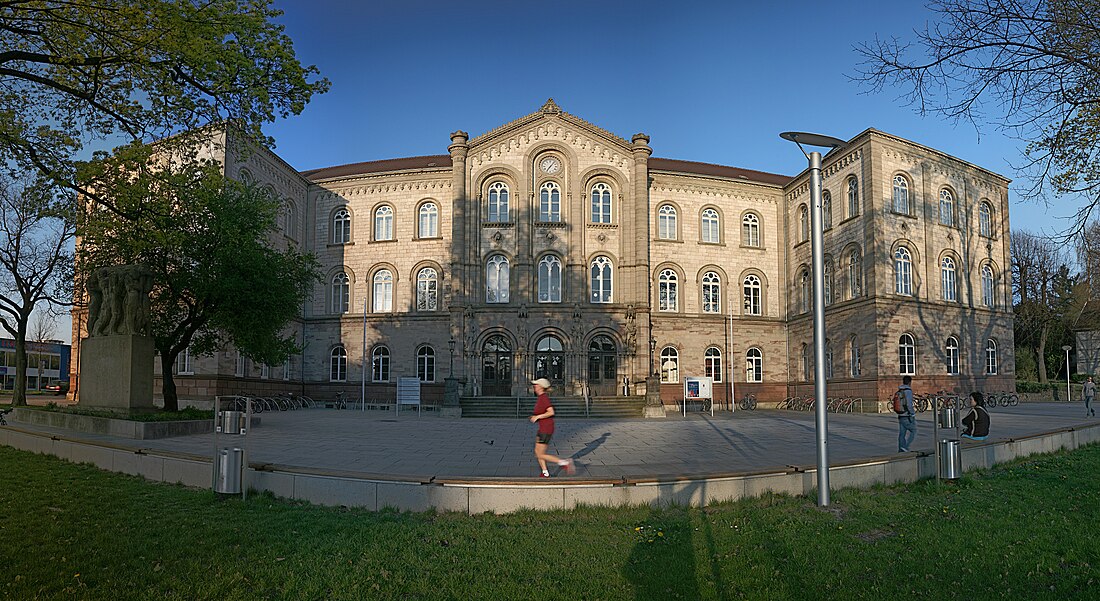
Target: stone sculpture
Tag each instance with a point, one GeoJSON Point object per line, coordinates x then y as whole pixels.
{"type": "Point", "coordinates": [119, 300]}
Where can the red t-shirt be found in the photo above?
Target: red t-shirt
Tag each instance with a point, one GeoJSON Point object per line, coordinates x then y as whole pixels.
{"type": "Point", "coordinates": [546, 424]}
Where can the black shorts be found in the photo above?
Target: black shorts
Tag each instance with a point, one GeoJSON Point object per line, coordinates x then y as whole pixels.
{"type": "Point", "coordinates": [543, 437]}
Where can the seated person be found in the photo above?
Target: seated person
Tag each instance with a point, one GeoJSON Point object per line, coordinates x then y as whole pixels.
{"type": "Point", "coordinates": [977, 421]}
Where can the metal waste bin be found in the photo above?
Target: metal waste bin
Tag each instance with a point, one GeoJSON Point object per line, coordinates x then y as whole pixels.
{"type": "Point", "coordinates": [228, 480]}
{"type": "Point", "coordinates": [948, 418]}
{"type": "Point", "coordinates": [950, 459]}
{"type": "Point", "coordinates": [232, 422]}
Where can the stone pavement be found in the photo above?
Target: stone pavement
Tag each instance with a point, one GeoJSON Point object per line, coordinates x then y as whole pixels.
{"type": "Point", "coordinates": [380, 443]}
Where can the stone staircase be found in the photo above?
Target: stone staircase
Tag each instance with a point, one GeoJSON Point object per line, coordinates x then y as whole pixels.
{"type": "Point", "coordinates": [567, 407]}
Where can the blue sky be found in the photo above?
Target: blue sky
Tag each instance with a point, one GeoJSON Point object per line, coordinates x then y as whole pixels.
{"type": "Point", "coordinates": [708, 81]}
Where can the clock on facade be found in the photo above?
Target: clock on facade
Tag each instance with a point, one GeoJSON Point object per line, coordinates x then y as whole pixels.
{"type": "Point", "coordinates": [550, 165]}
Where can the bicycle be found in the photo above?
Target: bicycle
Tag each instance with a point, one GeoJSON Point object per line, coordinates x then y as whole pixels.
{"type": "Point", "coordinates": [4, 422]}
{"type": "Point", "coordinates": [748, 402]}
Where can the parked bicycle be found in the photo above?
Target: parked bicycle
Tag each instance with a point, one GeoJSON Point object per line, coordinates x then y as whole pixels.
{"type": "Point", "coordinates": [748, 402]}
{"type": "Point", "coordinates": [4, 422]}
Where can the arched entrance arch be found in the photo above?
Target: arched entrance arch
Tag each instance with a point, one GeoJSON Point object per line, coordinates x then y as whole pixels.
{"type": "Point", "coordinates": [496, 366]}
{"type": "Point", "coordinates": [549, 360]}
{"type": "Point", "coordinates": [603, 366]}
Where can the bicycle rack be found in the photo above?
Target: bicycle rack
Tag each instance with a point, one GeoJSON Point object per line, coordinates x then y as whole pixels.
{"type": "Point", "coordinates": [231, 460]}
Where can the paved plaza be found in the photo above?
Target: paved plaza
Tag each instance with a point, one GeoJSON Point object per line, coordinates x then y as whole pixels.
{"type": "Point", "coordinates": [381, 444]}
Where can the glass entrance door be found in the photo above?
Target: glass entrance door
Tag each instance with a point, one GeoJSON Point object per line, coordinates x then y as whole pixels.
{"type": "Point", "coordinates": [496, 372]}
{"type": "Point", "coordinates": [602, 367]}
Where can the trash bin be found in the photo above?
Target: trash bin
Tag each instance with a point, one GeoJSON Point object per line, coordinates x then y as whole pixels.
{"type": "Point", "coordinates": [950, 459]}
{"type": "Point", "coordinates": [948, 418]}
{"type": "Point", "coordinates": [228, 480]}
{"type": "Point", "coordinates": [232, 422]}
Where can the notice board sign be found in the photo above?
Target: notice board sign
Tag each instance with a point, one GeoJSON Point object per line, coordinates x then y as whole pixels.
{"type": "Point", "coordinates": [698, 391]}
{"type": "Point", "coordinates": [408, 393]}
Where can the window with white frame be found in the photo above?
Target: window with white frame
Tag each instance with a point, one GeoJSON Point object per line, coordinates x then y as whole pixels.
{"type": "Point", "coordinates": [666, 222]}
{"type": "Point", "coordinates": [949, 282]}
{"type": "Point", "coordinates": [183, 363]}
{"type": "Point", "coordinates": [854, 358]}
{"type": "Point", "coordinates": [828, 280]}
{"type": "Point", "coordinates": [383, 223]}
{"type": "Point", "coordinates": [238, 365]}
{"type": "Point", "coordinates": [855, 274]}
{"type": "Point", "coordinates": [901, 195]}
{"type": "Point", "coordinates": [380, 364]}
{"type": "Point", "coordinates": [753, 291]}
{"type": "Point", "coordinates": [425, 364]}
{"type": "Point", "coordinates": [712, 292]}
{"type": "Point", "coordinates": [550, 279]}
{"type": "Point", "coordinates": [710, 226]}
{"type": "Point", "coordinates": [853, 197]}
{"type": "Point", "coordinates": [291, 221]}
{"type": "Point", "coordinates": [601, 203]}
{"type": "Point", "coordinates": [601, 280]}
{"type": "Point", "coordinates": [265, 371]}
{"type": "Point", "coordinates": [754, 365]}
{"type": "Point", "coordinates": [903, 271]}
{"type": "Point", "coordinates": [991, 357]}
{"type": "Point", "coordinates": [341, 227]}
{"type": "Point", "coordinates": [383, 291]}
{"type": "Point", "coordinates": [987, 287]}
{"type": "Point", "coordinates": [907, 355]}
{"type": "Point", "coordinates": [496, 279]}
{"type": "Point", "coordinates": [712, 364]}
{"type": "Point", "coordinates": [341, 293]}
{"type": "Point", "coordinates": [427, 289]}
{"type": "Point", "coordinates": [338, 365]}
{"type": "Point", "coordinates": [803, 223]}
{"type": "Point", "coordinates": [985, 219]}
{"type": "Point", "coordinates": [826, 210]}
{"type": "Point", "coordinates": [670, 365]}
{"type": "Point", "coordinates": [750, 230]}
{"type": "Point", "coordinates": [947, 207]}
{"type": "Point", "coordinates": [429, 220]}
{"type": "Point", "coordinates": [804, 291]}
{"type": "Point", "coordinates": [498, 202]}
{"type": "Point", "coordinates": [550, 203]}
{"type": "Point", "coordinates": [667, 290]}
{"type": "Point", "coordinates": [286, 369]}
{"type": "Point", "coordinates": [951, 355]}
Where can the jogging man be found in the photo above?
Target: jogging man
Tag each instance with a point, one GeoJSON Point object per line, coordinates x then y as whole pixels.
{"type": "Point", "coordinates": [544, 416]}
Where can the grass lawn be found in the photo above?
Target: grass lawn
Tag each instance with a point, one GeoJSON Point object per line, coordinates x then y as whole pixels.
{"type": "Point", "coordinates": [1028, 530]}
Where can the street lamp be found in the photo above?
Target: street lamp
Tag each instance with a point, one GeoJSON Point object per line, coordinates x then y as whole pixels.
{"type": "Point", "coordinates": [818, 253]}
{"type": "Point", "coordinates": [652, 349]}
{"type": "Point", "coordinates": [451, 347]}
{"type": "Point", "coordinates": [1067, 348]}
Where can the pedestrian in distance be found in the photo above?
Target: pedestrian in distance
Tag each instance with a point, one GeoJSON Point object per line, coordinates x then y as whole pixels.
{"type": "Point", "coordinates": [1089, 392]}
{"type": "Point", "coordinates": [976, 422]}
{"type": "Point", "coordinates": [544, 416]}
{"type": "Point", "coordinates": [907, 420]}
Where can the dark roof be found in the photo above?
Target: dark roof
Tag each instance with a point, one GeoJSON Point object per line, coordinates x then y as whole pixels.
{"type": "Point", "coordinates": [718, 170]}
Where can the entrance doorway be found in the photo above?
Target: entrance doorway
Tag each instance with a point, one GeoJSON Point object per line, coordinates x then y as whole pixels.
{"type": "Point", "coordinates": [496, 372]}
{"type": "Point", "coordinates": [602, 367]}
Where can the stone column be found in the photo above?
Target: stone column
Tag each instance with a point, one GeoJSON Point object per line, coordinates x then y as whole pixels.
{"type": "Point", "coordinates": [638, 246]}
{"type": "Point", "coordinates": [459, 218]}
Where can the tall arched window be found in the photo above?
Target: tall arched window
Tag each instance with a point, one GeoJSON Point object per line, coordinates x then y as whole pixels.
{"type": "Point", "coordinates": [380, 364]}
{"type": "Point", "coordinates": [853, 197]}
{"type": "Point", "coordinates": [338, 365]}
{"type": "Point", "coordinates": [383, 291]}
{"type": "Point", "coordinates": [341, 227]}
{"type": "Point", "coordinates": [550, 202]}
{"type": "Point", "coordinates": [667, 290]}
{"type": "Point", "coordinates": [750, 230]}
{"type": "Point", "coordinates": [948, 279]}
{"type": "Point", "coordinates": [670, 365]}
{"type": "Point", "coordinates": [427, 290]}
{"type": "Point", "coordinates": [425, 364]}
{"type": "Point", "coordinates": [496, 279]}
{"type": "Point", "coordinates": [291, 221]}
{"type": "Point", "coordinates": [987, 287]}
{"type": "Point", "coordinates": [947, 207]}
{"type": "Point", "coordinates": [951, 351]}
{"type": "Point", "coordinates": [498, 202]}
{"type": "Point", "coordinates": [601, 203]}
{"type": "Point", "coordinates": [828, 360]}
{"type": "Point", "coordinates": [854, 358]}
{"type": "Point", "coordinates": [991, 357]}
{"type": "Point", "coordinates": [383, 223]}
{"type": "Point", "coordinates": [710, 226]}
{"type": "Point", "coordinates": [804, 291]}
{"type": "Point", "coordinates": [907, 355]}
{"type": "Point", "coordinates": [828, 279]}
{"type": "Point", "coordinates": [807, 363]}
{"type": "Point", "coordinates": [985, 219]}
{"type": "Point", "coordinates": [754, 302]}
{"type": "Point", "coordinates": [855, 274]}
{"type": "Point", "coordinates": [549, 358]}
{"type": "Point", "coordinates": [826, 210]}
{"type": "Point", "coordinates": [550, 279]}
{"type": "Point", "coordinates": [712, 364]}
{"type": "Point", "coordinates": [903, 271]}
{"type": "Point", "coordinates": [429, 220]}
{"type": "Point", "coordinates": [803, 223]}
{"type": "Point", "coordinates": [341, 293]}
{"type": "Point", "coordinates": [601, 280]}
{"type": "Point", "coordinates": [754, 365]}
{"type": "Point", "coordinates": [901, 195]}
{"type": "Point", "coordinates": [712, 293]}
{"type": "Point", "coordinates": [666, 222]}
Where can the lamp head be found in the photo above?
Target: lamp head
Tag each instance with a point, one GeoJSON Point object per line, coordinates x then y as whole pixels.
{"type": "Point", "coordinates": [820, 140]}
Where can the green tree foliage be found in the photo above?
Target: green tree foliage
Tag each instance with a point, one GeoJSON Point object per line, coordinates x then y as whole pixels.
{"type": "Point", "coordinates": [207, 239]}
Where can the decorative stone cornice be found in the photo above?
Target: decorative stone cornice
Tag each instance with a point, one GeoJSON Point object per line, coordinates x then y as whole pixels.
{"type": "Point", "coordinates": [384, 187]}
{"type": "Point", "coordinates": [710, 191]}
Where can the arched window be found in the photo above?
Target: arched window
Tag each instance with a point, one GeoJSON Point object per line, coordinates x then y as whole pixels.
{"type": "Point", "coordinates": [750, 230]}
{"type": "Point", "coordinates": [947, 207]}
{"type": "Point", "coordinates": [901, 195]}
{"type": "Point", "coordinates": [712, 293]}
{"type": "Point", "coordinates": [948, 280]}
{"type": "Point", "coordinates": [601, 203]}
{"type": "Point", "coordinates": [498, 202]}
{"type": "Point", "coordinates": [549, 358]}
{"type": "Point", "coordinates": [550, 202]}
{"type": "Point", "coordinates": [907, 355]}
{"type": "Point", "coordinates": [754, 302]}
{"type": "Point", "coordinates": [803, 224]}
{"type": "Point", "coordinates": [985, 219]}
{"type": "Point", "coordinates": [550, 279]}
{"type": "Point", "coordinates": [828, 279]}
{"type": "Point", "coordinates": [951, 352]}
{"type": "Point", "coordinates": [855, 274]}
{"type": "Point", "coordinates": [383, 223]}
{"type": "Point", "coordinates": [666, 222]}
{"type": "Point", "coordinates": [380, 364]}
{"type": "Point", "coordinates": [854, 357]}
{"type": "Point", "coordinates": [903, 271]}
{"type": "Point", "coordinates": [425, 364]}
{"type": "Point", "coordinates": [987, 287]}
{"type": "Point", "coordinates": [427, 290]}
{"type": "Point", "coordinates": [383, 291]}
{"type": "Point", "coordinates": [670, 365]}
{"type": "Point", "coordinates": [853, 197]}
{"type": "Point", "coordinates": [754, 365]}
{"type": "Point", "coordinates": [807, 363]}
{"type": "Point", "coordinates": [601, 280]}
{"type": "Point", "coordinates": [496, 279]}
{"type": "Point", "coordinates": [291, 221]}
{"type": "Point", "coordinates": [991, 357]}
{"type": "Point", "coordinates": [667, 290]}
{"type": "Point", "coordinates": [341, 293]}
{"type": "Point", "coordinates": [804, 291]}
{"type": "Point", "coordinates": [826, 210]}
{"type": "Point", "coordinates": [828, 360]}
{"type": "Point", "coordinates": [429, 220]}
{"type": "Point", "coordinates": [710, 226]}
{"type": "Point", "coordinates": [341, 227]}
{"type": "Point", "coordinates": [712, 364]}
{"type": "Point", "coordinates": [338, 365]}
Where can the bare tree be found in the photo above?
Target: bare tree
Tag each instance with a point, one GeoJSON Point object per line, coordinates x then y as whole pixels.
{"type": "Point", "coordinates": [43, 325]}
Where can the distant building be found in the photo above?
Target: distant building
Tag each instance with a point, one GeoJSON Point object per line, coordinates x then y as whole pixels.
{"type": "Point", "coordinates": [47, 362]}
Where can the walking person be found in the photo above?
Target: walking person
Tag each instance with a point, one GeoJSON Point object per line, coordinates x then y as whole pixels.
{"type": "Point", "coordinates": [907, 420]}
{"type": "Point", "coordinates": [976, 423]}
{"type": "Point", "coordinates": [544, 416]}
{"type": "Point", "coordinates": [1089, 392]}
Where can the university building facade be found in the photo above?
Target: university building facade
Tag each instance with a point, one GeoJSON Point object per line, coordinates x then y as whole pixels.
{"type": "Point", "coordinates": [549, 247]}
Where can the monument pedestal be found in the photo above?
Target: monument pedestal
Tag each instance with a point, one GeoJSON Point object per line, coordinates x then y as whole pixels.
{"type": "Point", "coordinates": [451, 388]}
{"type": "Point", "coordinates": [116, 372]}
{"type": "Point", "coordinates": [653, 405]}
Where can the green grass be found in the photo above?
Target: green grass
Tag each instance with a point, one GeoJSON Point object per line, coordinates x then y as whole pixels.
{"type": "Point", "coordinates": [1027, 530]}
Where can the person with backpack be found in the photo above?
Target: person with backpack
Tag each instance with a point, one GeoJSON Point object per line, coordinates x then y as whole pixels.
{"type": "Point", "coordinates": [976, 423]}
{"type": "Point", "coordinates": [907, 418]}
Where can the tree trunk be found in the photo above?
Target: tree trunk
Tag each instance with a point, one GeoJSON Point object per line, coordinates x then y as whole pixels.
{"type": "Point", "coordinates": [19, 395]}
{"type": "Point", "coordinates": [168, 385]}
{"type": "Point", "coordinates": [1043, 353]}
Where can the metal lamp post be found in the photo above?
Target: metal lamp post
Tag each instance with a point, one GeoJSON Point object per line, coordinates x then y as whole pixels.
{"type": "Point", "coordinates": [1067, 348]}
{"type": "Point", "coordinates": [818, 252]}
{"type": "Point", "coordinates": [451, 347]}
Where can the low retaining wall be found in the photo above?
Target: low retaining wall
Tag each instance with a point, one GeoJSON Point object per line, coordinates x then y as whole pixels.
{"type": "Point", "coordinates": [122, 428]}
{"type": "Point", "coordinates": [477, 495]}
